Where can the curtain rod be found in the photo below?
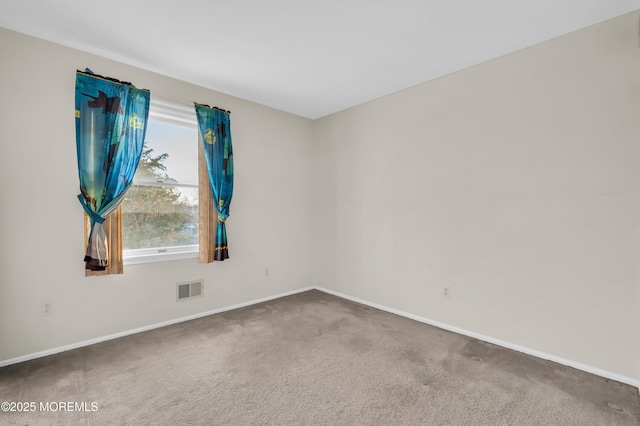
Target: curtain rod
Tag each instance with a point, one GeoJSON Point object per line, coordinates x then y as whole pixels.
{"type": "Point", "coordinates": [213, 107]}
{"type": "Point", "coordinates": [90, 73]}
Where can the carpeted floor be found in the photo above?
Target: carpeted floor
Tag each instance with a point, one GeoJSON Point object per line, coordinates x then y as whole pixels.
{"type": "Point", "coordinates": [309, 359]}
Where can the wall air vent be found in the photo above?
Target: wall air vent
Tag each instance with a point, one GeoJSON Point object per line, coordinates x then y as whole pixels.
{"type": "Point", "coordinates": [189, 290]}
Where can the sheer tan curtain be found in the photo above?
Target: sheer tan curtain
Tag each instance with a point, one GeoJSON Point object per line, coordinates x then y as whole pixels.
{"type": "Point", "coordinates": [113, 230]}
{"type": "Point", "coordinates": [207, 213]}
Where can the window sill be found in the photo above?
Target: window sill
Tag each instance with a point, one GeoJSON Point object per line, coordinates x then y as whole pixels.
{"type": "Point", "coordinates": [137, 259]}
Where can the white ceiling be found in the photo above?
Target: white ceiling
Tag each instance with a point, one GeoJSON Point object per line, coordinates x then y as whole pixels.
{"type": "Point", "coordinates": [307, 57]}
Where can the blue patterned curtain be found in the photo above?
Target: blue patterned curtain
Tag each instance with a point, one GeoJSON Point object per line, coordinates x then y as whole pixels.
{"type": "Point", "coordinates": [213, 124]}
{"type": "Point", "coordinates": [111, 119]}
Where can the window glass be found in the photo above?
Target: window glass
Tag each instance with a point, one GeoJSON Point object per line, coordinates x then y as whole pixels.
{"type": "Point", "coordinates": [160, 210]}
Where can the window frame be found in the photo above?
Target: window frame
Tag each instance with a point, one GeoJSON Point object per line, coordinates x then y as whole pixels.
{"type": "Point", "coordinates": [180, 115]}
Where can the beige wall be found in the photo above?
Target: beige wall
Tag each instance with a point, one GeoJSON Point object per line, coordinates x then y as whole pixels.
{"type": "Point", "coordinates": [41, 218]}
{"type": "Point", "coordinates": [515, 182]}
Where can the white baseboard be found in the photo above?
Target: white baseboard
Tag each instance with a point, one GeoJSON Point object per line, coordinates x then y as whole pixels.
{"type": "Point", "coordinates": [489, 339]}
{"type": "Point", "coordinates": [145, 328]}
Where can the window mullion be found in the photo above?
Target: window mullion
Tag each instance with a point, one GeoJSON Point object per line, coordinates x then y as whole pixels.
{"type": "Point", "coordinates": [165, 184]}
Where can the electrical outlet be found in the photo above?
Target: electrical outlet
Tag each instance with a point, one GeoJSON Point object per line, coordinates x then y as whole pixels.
{"type": "Point", "coordinates": [46, 308]}
{"type": "Point", "coordinates": [266, 272]}
{"type": "Point", "coordinates": [446, 292]}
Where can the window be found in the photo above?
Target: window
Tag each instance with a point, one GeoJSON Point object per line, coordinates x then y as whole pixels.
{"type": "Point", "coordinates": [160, 210]}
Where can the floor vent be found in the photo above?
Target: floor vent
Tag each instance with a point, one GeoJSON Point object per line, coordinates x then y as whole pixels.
{"type": "Point", "coordinates": [189, 290]}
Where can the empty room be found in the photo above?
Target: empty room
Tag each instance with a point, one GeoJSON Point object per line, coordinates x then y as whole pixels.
{"type": "Point", "coordinates": [292, 213]}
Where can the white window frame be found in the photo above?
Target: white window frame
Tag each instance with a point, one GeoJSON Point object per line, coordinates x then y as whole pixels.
{"type": "Point", "coordinates": [181, 115]}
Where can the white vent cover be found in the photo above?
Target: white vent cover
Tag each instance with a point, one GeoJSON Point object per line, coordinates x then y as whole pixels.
{"type": "Point", "coordinates": [189, 290]}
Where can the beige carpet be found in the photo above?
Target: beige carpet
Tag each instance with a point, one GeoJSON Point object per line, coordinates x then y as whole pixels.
{"type": "Point", "coordinates": [309, 359]}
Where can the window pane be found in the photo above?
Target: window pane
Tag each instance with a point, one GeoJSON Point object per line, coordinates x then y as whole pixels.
{"type": "Point", "coordinates": [158, 216]}
{"type": "Point", "coordinates": [174, 154]}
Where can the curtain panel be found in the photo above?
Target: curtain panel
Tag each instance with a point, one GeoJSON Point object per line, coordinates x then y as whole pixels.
{"type": "Point", "coordinates": [215, 133]}
{"type": "Point", "coordinates": [111, 118]}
